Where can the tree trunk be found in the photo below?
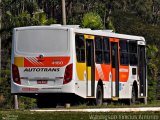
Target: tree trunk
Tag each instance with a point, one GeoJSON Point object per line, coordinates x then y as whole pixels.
{"type": "Point", "coordinates": [63, 12]}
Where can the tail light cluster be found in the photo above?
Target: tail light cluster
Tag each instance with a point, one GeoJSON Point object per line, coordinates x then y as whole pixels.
{"type": "Point", "coordinates": [68, 74]}
{"type": "Point", "coordinates": [15, 74]}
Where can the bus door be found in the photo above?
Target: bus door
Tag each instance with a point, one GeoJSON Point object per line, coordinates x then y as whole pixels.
{"type": "Point", "coordinates": [142, 69]}
{"type": "Point", "coordinates": [90, 66]}
{"type": "Point", "coordinates": [114, 67]}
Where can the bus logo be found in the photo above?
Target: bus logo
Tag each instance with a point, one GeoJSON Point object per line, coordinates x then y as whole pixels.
{"type": "Point", "coordinates": [57, 62]}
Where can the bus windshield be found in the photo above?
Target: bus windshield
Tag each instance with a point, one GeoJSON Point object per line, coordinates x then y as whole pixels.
{"type": "Point", "coordinates": [41, 41]}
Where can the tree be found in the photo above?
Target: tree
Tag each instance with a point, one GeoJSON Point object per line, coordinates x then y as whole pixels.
{"type": "Point", "coordinates": [92, 20]}
{"type": "Point", "coordinates": [42, 18]}
{"type": "Point", "coordinates": [10, 21]}
{"type": "Point", "coordinates": [152, 52]}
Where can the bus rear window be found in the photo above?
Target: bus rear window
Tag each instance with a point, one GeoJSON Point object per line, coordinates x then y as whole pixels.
{"type": "Point", "coordinates": [41, 41]}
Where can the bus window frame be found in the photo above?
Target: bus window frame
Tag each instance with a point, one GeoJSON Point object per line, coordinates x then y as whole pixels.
{"type": "Point", "coordinates": [99, 50]}
{"type": "Point", "coordinates": [124, 52]}
{"type": "Point", "coordinates": [133, 53]}
{"type": "Point", "coordinates": [80, 49]}
{"type": "Point", "coordinates": [107, 51]}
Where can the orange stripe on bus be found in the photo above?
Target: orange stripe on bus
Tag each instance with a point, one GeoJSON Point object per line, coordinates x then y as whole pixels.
{"type": "Point", "coordinates": [46, 61]}
{"type": "Point", "coordinates": [97, 75]}
{"type": "Point", "coordinates": [113, 39]}
{"type": "Point", "coordinates": [113, 74]}
{"type": "Point", "coordinates": [123, 73]}
{"type": "Point", "coordinates": [106, 70]}
{"type": "Point", "coordinates": [102, 72]}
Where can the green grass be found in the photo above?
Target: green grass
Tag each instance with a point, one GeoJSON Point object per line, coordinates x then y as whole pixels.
{"type": "Point", "coordinates": [117, 105]}
{"type": "Point", "coordinates": [27, 115]}
{"type": "Point", "coordinates": [30, 115]}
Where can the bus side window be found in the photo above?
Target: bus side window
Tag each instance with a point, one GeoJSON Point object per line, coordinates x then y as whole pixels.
{"type": "Point", "coordinates": [80, 48]}
{"type": "Point", "coordinates": [106, 48]}
{"type": "Point", "coordinates": [133, 53]}
{"type": "Point", "coordinates": [123, 52]}
{"type": "Point", "coordinates": [98, 46]}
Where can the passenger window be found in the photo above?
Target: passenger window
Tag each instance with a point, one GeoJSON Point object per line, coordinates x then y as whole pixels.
{"type": "Point", "coordinates": [123, 52]}
{"type": "Point", "coordinates": [80, 48]}
{"type": "Point", "coordinates": [106, 49]}
{"type": "Point", "coordinates": [98, 47]}
{"type": "Point", "coordinates": [133, 53]}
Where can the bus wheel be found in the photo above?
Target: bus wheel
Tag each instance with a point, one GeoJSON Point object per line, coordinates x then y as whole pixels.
{"type": "Point", "coordinates": [132, 101]}
{"type": "Point", "coordinates": [99, 95]}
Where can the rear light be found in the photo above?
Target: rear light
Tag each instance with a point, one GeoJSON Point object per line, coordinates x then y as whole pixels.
{"type": "Point", "coordinates": [68, 74]}
{"type": "Point", "coordinates": [15, 74]}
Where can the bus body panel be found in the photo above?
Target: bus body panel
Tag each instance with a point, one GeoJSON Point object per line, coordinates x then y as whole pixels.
{"type": "Point", "coordinates": [126, 73]}
{"type": "Point", "coordinates": [35, 71]}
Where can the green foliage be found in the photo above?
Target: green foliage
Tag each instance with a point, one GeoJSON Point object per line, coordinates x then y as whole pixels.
{"type": "Point", "coordinates": [129, 23]}
{"type": "Point", "coordinates": [26, 102]}
{"type": "Point", "coordinates": [30, 115]}
{"type": "Point", "coordinates": [148, 10]}
{"type": "Point", "coordinates": [143, 8]}
{"type": "Point", "coordinates": [31, 6]}
{"type": "Point", "coordinates": [25, 19]}
{"type": "Point", "coordinates": [92, 20]}
{"type": "Point", "coordinates": [50, 21]}
{"type": "Point", "coordinates": [10, 21]}
{"type": "Point", "coordinates": [5, 97]}
{"type": "Point", "coordinates": [110, 25]}
{"type": "Point", "coordinates": [152, 52]}
{"type": "Point", "coordinates": [42, 18]}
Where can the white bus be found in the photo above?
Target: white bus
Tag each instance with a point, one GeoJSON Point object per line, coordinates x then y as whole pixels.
{"type": "Point", "coordinates": [62, 61]}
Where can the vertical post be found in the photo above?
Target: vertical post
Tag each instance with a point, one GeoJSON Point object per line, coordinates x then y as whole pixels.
{"type": "Point", "coordinates": [63, 12]}
{"type": "Point", "coordinates": [16, 102]}
{"type": "Point", "coordinates": [0, 35]}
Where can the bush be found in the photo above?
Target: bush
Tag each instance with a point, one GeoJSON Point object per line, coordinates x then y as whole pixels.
{"type": "Point", "coordinates": [152, 66]}
{"type": "Point", "coordinates": [92, 20]}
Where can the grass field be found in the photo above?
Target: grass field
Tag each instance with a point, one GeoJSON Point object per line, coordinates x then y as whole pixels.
{"type": "Point", "coordinates": [28, 115]}
{"type": "Point", "coordinates": [117, 105]}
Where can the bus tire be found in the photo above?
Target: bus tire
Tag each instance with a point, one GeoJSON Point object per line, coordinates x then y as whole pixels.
{"type": "Point", "coordinates": [99, 96]}
{"type": "Point", "coordinates": [132, 101]}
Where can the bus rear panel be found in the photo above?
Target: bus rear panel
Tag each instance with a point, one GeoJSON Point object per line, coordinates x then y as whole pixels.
{"type": "Point", "coordinates": [41, 61]}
